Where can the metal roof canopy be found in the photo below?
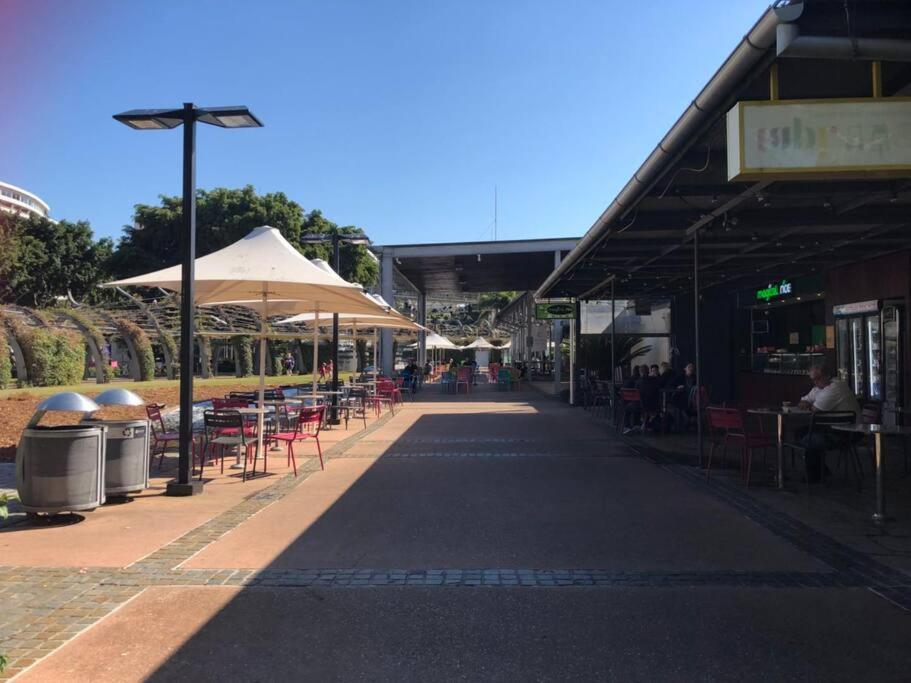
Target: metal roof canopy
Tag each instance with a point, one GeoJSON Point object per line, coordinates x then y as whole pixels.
{"type": "Point", "coordinates": [752, 231]}
{"type": "Point", "coordinates": [477, 266]}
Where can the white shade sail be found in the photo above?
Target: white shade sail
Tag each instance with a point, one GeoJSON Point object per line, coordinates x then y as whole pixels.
{"type": "Point", "coordinates": [261, 265]}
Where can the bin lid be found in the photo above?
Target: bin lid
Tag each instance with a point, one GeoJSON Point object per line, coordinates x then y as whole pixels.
{"type": "Point", "coordinates": [118, 397]}
{"type": "Point", "coordinates": [68, 401]}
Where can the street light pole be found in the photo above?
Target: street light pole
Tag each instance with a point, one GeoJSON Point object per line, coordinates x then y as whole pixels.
{"type": "Point", "coordinates": [337, 265]}
{"type": "Point", "coordinates": [185, 486]}
{"type": "Point", "coordinates": [166, 119]}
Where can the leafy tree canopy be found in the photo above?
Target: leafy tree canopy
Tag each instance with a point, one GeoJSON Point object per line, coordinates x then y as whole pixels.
{"type": "Point", "coordinates": [41, 260]}
{"type": "Point", "coordinates": [223, 216]}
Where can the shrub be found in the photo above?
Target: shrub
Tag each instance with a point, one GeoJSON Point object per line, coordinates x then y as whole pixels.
{"type": "Point", "coordinates": [84, 321]}
{"type": "Point", "coordinates": [142, 345]}
{"type": "Point", "coordinates": [54, 357]}
{"type": "Point", "coordinates": [171, 350]}
{"type": "Point", "coordinates": [243, 354]}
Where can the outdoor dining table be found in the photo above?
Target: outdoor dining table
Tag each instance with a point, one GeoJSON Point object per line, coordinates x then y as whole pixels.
{"type": "Point", "coordinates": [878, 432]}
{"type": "Point", "coordinates": [267, 416]}
{"type": "Point", "coordinates": [780, 414]}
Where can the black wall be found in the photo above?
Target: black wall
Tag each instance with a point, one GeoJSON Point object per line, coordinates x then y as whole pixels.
{"type": "Point", "coordinates": [717, 339]}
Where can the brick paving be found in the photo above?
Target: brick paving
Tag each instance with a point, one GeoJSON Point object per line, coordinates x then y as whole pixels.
{"type": "Point", "coordinates": [43, 608]}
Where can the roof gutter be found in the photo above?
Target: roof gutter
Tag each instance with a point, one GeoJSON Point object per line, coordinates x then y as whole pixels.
{"type": "Point", "coordinates": [748, 53]}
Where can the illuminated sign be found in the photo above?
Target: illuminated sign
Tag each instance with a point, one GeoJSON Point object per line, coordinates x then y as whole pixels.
{"type": "Point", "coordinates": [822, 138]}
{"type": "Point", "coordinates": [554, 311]}
{"type": "Point", "coordinates": [773, 291]}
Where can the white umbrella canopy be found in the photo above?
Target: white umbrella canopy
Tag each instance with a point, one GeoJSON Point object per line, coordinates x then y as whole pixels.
{"type": "Point", "coordinates": [261, 265]}
{"type": "Point", "coordinates": [435, 341]}
{"type": "Point", "coordinates": [480, 343]}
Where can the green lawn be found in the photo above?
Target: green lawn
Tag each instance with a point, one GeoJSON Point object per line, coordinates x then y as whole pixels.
{"type": "Point", "coordinates": [94, 387]}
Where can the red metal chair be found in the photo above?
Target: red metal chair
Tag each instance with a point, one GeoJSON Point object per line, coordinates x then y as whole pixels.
{"type": "Point", "coordinates": [463, 378]}
{"type": "Point", "coordinates": [233, 403]}
{"type": "Point", "coordinates": [725, 424]}
{"type": "Point", "coordinates": [161, 439]}
{"type": "Point", "coordinates": [630, 402]}
{"type": "Point", "coordinates": [307, 426]}
{"type": "Point", "coordinates": [386, 391]}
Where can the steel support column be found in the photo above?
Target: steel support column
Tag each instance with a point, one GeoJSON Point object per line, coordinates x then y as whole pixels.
{"type": "Point", "coordinates": [557, 338]}
{"type": "Point", "coordinates": [422, 336]}
{"type": "Point", "coordinates": [573, 326]}
{"type": "Point", "coordinates": [698, 360]}
{"type": "Point", "coordinates": [387, 290]}
{"type": "Point", "coordinates": [613, 350]}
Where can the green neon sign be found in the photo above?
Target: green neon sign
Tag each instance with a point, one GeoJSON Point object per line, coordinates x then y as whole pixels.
{"type": "Point", "coordinates": [774, 290]}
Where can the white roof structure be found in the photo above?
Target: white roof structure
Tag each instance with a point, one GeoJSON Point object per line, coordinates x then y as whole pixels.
{"type": "Point", "coordinates": [262, 265]}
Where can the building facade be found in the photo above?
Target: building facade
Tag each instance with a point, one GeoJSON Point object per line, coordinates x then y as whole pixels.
{"type": "Point", "coordinates": [21, 202]}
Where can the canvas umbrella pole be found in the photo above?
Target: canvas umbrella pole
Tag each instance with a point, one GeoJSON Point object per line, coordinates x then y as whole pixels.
{"type": "Point", "coordinates": [375, 359]}
{"type": "Point", "coordinates": [260, 417]}
{"type": "Point", "coordinates": [315, 351]}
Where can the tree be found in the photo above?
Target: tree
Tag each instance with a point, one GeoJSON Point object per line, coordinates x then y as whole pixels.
{"type": "Point", "coordinates": [223, 216]}
{"type": "Point", "coordinates": [43, 260]}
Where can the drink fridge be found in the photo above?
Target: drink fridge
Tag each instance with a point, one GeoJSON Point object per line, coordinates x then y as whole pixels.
{"type": "Point", "coordinates": [868, 346]}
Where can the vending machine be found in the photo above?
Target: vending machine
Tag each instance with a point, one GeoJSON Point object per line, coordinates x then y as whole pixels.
{"type": "Point", "coordinates": [868, 346]}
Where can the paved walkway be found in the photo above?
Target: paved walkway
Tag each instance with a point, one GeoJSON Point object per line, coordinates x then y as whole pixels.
{"type": "Point", "coordinates": [496, 536]}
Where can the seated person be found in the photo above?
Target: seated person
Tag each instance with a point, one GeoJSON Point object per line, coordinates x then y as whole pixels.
{"type": "Point", "coordinates": [668, 377]}
{"type": "Point", "coordinates": [631, 381]}
{"type": "Point", "coordinates": [648, 387]}
{"type": "Point", "coordinates": [828, 394]}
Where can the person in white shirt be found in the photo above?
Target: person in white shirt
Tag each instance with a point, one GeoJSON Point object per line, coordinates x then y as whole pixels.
{"type": "Point", "coordinates": [828, 394]}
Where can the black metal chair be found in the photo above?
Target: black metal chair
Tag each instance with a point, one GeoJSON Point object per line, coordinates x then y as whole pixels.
{"type": "Point", "coordinates": [825, 440]}
{"type": "Point", "coordinates": [225, 429]}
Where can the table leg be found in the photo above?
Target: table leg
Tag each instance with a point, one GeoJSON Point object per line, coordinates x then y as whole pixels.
{"type": "Point", "coordinates": [779, 426]}
{"type": "Point", "coordinates": [879, 516]}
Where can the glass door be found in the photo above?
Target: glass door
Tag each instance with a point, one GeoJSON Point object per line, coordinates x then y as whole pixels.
{"type": "Point", "coordinates": [858, 359]}
{"type": "Point", "coordinates": [843, 348]}
{"type": "Point", "coordinates": [874, 358]}
{"type": "Point", "coordinates": [891, 359]}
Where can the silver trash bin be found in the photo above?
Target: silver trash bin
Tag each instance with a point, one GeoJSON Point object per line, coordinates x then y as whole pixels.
{"type": "Point", "coordinates": [60, 469]}
{"type": "Point", "coordinates": [126, 468]}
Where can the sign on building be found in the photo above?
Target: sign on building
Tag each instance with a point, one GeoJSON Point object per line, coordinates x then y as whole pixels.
{"type": "Point", "coordinates": [822, 138]}
{"type": "Point", "coordinates": [554, 310]}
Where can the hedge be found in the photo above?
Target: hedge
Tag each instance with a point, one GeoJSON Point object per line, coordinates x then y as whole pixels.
{"type": "Point", "coordinates": [54, 357]}
{"type": "Point", "coordinates": [243, 355]}
{"type": "Point", "coordinates": [172, 350]}
{"type": "Point", "coordinates": [142, 345]}
{"type": "Point", "coordinates": [92, 330]}
{"type": "Point", "coordinates": [6, 366]}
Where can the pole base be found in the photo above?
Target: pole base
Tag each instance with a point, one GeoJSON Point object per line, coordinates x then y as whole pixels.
{"type": "Point", "coordinates": [333, 421]}
{"type": "Point", "coordinates": [175, 488]}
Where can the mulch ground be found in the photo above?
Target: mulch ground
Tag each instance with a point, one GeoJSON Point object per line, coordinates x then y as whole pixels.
{"type": "Point", "coordinates": [16, 411]}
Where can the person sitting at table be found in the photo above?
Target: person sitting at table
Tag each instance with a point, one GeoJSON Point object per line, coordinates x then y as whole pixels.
{"type": "Point", "coordinates": [631, 381]}
{"type": "Point", "coordinates": [828, 394]}
{"type": "Point", "coordinates": [648, 387]}
{"type": "Point", "coordinates": [668, 377]}
{"type": "Point", "coordinates": [410, 373]}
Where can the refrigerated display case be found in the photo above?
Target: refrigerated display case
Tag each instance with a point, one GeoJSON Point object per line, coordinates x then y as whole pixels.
{"type": "Point", "coordinates": [868, 350]}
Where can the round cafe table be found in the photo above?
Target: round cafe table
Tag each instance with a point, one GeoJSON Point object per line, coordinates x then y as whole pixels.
{"type": "Point", "coordinates": [877, 432]}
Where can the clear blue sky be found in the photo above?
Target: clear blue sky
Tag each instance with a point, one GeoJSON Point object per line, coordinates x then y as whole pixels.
{"type": "Point", "coordinates": [397, 116]}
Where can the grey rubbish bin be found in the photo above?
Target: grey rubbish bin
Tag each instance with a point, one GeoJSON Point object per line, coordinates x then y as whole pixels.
{"type": "Point", "coordinates": [61, 469]}
{"type": "Point", "coordinates": [126, 468]}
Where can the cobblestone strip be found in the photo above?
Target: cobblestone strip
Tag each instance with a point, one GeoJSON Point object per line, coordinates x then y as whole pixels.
{"type": "Point", "coordinates": [303, 578]}
{"type": "Point", "coordinates": [852, 565]}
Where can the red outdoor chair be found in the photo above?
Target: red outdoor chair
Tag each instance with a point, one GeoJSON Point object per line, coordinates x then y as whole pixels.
{"type": "Point", "coordinates": [233, 403]}
{"type": "Point", "coordinates": [306, 427]}
{"type": "Point", "coordinates": [387, 392]}
{"type": "Point", "coordinates": [463, 378]}
{"type": "Point", "coordinates": [161, 439]}
{"type": "Point", "coordinates": [630, 402]}
{"type": "Point", "coordinates": [730, 424]}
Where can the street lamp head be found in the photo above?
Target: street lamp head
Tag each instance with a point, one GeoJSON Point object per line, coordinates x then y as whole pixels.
{"type": "Point", "coordinates": [151, 119]}
{"type": "Point", "coordinates": [229, 117]}
{"type": "Point", "coordinates": [160, 119]}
